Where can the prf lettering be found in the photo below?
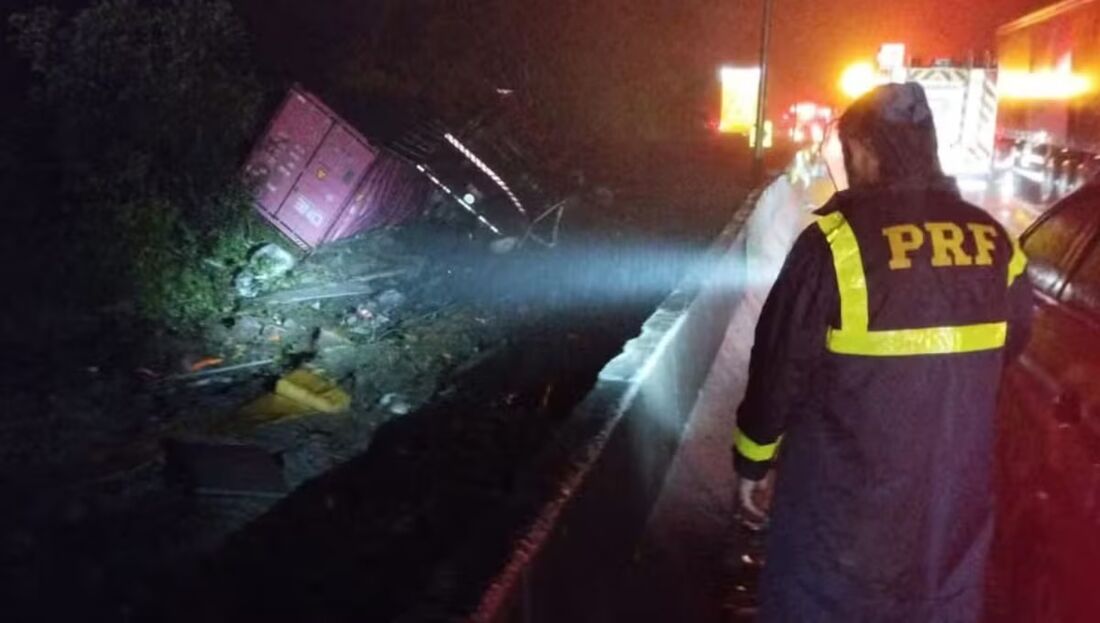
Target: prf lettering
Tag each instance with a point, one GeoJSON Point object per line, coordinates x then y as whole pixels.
{"type": "Point", "coordinates": [947, 244]}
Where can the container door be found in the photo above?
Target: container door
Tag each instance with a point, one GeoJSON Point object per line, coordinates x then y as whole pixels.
{"type": "Point", "coordinates": [323, 189]}
{"type": "Point", "coordinates": [284, 150]}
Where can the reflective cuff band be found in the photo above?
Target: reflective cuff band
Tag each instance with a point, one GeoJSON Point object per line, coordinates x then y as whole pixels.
{"type": "Point", "coordinates": [1018, 264]}
{"type": "Point", "coordinates": [931, 341]}
{"type": "Point", "coordinates": [751, 450]}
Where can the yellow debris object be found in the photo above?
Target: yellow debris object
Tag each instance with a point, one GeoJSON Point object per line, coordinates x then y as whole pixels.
{"type": "Point", "coordinates": [309, 389]}
{"type": "Point", "coordinates": [272, 407]}
{"type": "Point", "coordinates": [297, 394]}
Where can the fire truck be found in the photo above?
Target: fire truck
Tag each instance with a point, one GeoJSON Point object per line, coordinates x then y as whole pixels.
{"type": "Point", "coordinates": [963, 99]}
{"type": "Point", "coordinates": [1049, 127]}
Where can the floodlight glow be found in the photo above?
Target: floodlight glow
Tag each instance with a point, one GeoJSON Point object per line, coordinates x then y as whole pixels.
{"type": "Point", "coordinates": [858, 79]}
{"type": "Point", "coordinates": [739, 94]}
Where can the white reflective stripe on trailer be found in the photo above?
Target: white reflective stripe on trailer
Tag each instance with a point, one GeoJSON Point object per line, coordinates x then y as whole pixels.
{"type": "Point", "coordinates": [964, 105]}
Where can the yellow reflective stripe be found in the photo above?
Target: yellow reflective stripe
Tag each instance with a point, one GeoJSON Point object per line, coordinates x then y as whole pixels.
{"type": "Point", "coordinates": [849, 271]}
{"type": "Point", "coordinates": [853, 337]}
{"type": "Point", "coordinates": [751, 450]}
{"type": "Point", "coordinates": [1018, 263]}
{"type": "Point", "coordinates": [930, 341]}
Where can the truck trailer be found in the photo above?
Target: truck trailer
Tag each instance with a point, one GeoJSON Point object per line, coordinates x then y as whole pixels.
{"type": "Point", "coordinates": [1049, 120]}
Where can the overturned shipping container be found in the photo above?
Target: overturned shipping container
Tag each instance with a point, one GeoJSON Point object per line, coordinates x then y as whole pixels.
{"type": "Point", "coordinates": [317, 179]}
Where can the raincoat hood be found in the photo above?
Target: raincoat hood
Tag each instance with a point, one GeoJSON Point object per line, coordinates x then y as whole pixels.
{"type": "Point", "coordinates": [896, 122]}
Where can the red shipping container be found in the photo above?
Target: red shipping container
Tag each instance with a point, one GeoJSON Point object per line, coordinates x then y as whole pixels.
{"type": "Point", "coordinates": [317, 179]}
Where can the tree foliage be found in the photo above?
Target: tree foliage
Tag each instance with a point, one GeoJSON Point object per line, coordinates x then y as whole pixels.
{"type": "Point", "coordinates": [150, 105]}
{"type": "Point", "coordinates": [147, 97]}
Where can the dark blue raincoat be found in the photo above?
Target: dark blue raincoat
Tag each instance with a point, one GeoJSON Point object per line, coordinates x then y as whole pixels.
{"type": "Point", "coordinates": [878, 407]}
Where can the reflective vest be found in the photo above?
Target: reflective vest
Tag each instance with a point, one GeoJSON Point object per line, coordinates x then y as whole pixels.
{"type": "Point", "coordinates": [853, 337]}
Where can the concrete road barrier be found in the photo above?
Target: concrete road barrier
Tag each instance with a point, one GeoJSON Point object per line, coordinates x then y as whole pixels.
{"type": "Point", "coordinates": [579, 511]}
{"type": "Point", "coordinates": [589, 496]}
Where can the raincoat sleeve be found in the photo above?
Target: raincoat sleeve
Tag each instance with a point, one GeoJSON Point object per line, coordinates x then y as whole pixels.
{"type": "Point", "coordinates": [790, 338]}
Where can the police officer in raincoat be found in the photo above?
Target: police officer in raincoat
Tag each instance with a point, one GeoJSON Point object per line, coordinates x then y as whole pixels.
{"type": "Point", "coordinates": [873, 383]}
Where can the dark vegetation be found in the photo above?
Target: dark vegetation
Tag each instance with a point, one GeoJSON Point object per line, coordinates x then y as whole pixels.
{"type": "Point", "coordinates": [135, 119]}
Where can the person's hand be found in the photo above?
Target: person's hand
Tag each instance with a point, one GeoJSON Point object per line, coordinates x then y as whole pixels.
{"type": "Point", "coordinates": [754, 499]}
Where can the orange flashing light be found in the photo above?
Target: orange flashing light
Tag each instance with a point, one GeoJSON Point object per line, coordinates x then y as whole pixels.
{"type": "Point", "coordinates": [1042, 85]}
{"type": "Point", "coordinates": [858, 79]}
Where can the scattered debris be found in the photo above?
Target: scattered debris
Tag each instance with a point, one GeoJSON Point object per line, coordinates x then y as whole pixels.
{"type": "Point", "coordinates": [395, 403]}
{"type": "Point", "coordinates": [272, 333]}
{"type": "Point", "coordinates": [310, 389]}
{"type": "Point", "coordinates": [549, 219]}
{"type": "Point", "coordinates": [327, 339]}
{"type": "Point", "coordinates": [265, 266]}
{"type": "Point", "coordinates": [146, 373]}
{"type": "Point", "coordinates": [390, 300]}
{"type": "Point", "coordinates": [504, 245]}
{"type": "Point", "coordinates": [245, 328]}
{"type": "Point", "coordinates": [204, 363]}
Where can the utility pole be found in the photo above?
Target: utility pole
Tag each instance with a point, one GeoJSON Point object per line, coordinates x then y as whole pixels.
{"type": "Point", "coordinates": [762, 94]}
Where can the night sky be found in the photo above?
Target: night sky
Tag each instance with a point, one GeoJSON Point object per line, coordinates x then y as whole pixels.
{"type": "Point", "coordinates": [813, 40]}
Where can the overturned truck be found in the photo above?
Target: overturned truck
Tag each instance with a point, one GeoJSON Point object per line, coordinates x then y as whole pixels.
{"type": "Point", "coordinates": [318, 179]}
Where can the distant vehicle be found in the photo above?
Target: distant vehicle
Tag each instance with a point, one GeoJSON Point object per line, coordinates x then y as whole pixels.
{"type": "Point", "coordinates": [1046, 556]}
{"type": "Point", "coordinates": [805, 123]}
{"type": "Point", "coordinates": [1049, 126]}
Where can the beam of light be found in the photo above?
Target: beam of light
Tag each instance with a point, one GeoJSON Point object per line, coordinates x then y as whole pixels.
{"type": "Point", "coordinates": [1047, 85]}
{"type": "Point", "coordinates": [858, 79]}
{"type": "Point", "coordinates": [739, 87]}
{"type": "Point", "coordinates": [465, 151]}
{"type": "Point", "coordinates": [597, 275]}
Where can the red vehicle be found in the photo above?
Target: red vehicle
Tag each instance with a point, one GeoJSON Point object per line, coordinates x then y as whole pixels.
{"type": "Point", "coordinates": [1045, 565]}
{"type": "Point", "coordinates": [1049, 100]}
